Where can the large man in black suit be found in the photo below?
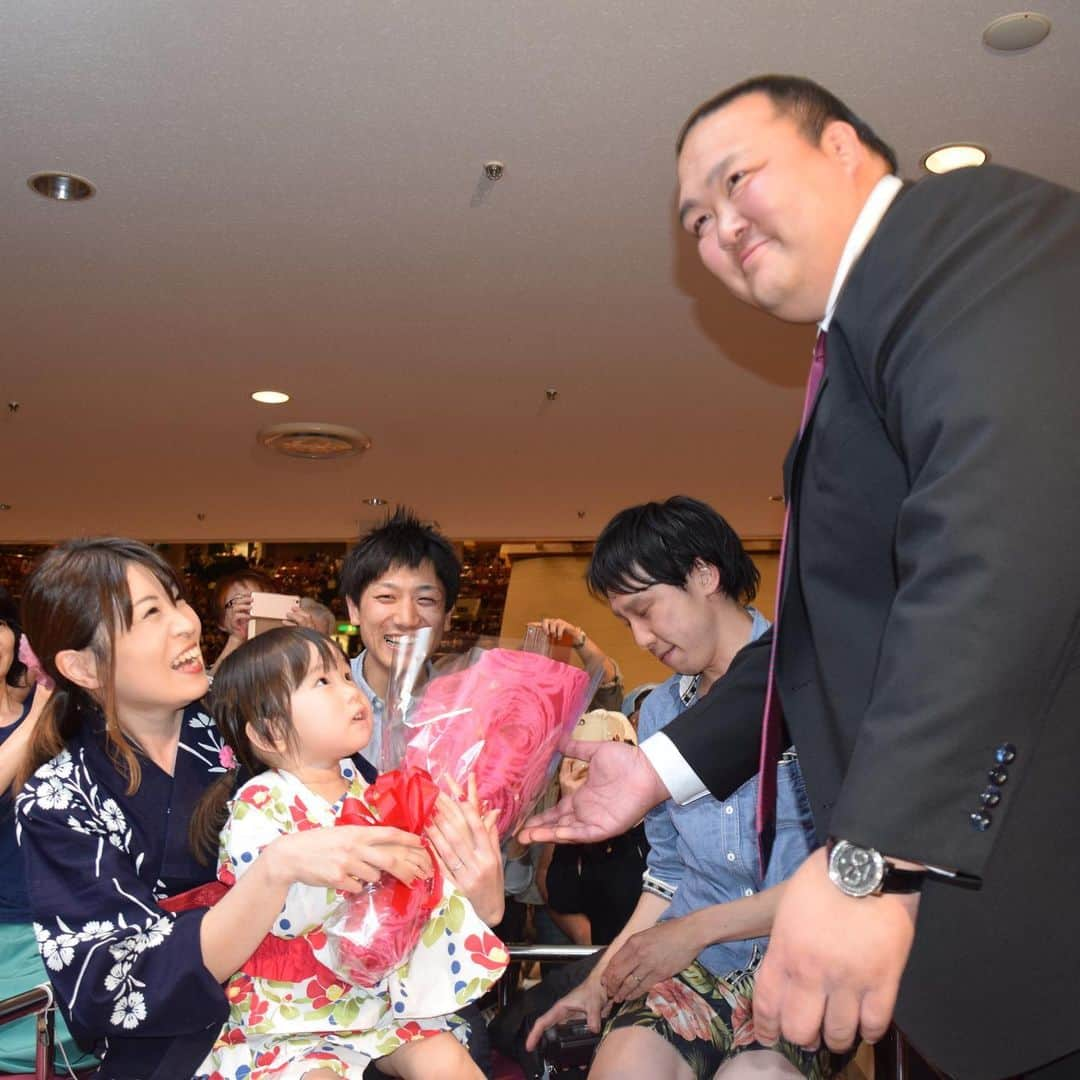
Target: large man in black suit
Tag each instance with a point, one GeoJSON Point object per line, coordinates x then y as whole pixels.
{"type": "Point", "coordinates": [928, 657]}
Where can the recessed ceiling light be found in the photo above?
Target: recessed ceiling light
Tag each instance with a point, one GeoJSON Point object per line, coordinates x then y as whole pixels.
{"type": "Point", "coordinates": [270, 397]}
{"type": "Point", "coordinates": [64, 187]}
{"type": "Point", "coordinates": [943, 159]}
{"type": "Point", "coordinates": [375, 500]}
{"type": "Point", "coordinates": [1020, 30]}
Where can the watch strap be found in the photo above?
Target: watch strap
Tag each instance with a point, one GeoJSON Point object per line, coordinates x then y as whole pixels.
{"type": "Point", "coordinates": [897, 879]}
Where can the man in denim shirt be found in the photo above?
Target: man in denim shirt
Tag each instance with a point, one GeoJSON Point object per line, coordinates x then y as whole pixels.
{"type": "Point", "coordinates": [679, 977]}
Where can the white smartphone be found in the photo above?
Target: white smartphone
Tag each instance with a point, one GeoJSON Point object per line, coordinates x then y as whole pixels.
{"type": "Point", "coordinates": [269, 610]}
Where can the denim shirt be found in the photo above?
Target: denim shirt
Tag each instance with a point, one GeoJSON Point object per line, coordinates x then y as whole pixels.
{"type": "Point", "coordinates": [707, 849]}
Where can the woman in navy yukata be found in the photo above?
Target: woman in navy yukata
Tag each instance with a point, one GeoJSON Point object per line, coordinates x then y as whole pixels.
{"type": "Point", "coordinates": [119, 759]}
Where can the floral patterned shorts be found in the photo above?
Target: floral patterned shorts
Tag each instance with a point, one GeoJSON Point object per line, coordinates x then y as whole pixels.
{"type": "Point", "coordinates": [709, 1020]}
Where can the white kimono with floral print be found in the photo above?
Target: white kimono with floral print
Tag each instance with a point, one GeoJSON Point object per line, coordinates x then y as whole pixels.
{"type": "Point", "coordinates": [306, 1016]}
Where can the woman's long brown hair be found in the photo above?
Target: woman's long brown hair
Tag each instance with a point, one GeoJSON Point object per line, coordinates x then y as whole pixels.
{"type": "Point", "coordinates": [77, 597]}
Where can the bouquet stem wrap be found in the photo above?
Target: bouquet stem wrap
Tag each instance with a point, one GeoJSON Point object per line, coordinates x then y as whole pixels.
{"type": "Point", "coordinates": [375, 931]}
{"type": "Point", "coordinates": [502, 719]}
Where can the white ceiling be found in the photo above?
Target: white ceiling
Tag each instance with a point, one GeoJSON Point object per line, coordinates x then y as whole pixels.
{"type": "Point", "coordinates": [290, 195]}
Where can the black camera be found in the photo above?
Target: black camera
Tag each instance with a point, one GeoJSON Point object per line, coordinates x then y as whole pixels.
{"type": "Point", "coordinates": [569, 1045]}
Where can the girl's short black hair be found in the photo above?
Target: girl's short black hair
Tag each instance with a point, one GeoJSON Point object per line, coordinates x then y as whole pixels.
{"type": "Point", "coordinates": [253, 691]}
{"type": "Point", "coordinates": [659, 543]}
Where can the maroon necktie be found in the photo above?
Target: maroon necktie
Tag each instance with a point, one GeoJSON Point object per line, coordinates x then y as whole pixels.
{"type": "Point", "coordinates": [772, 724]}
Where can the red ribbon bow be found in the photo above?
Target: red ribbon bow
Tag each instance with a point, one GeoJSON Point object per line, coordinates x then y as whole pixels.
{"type": "Point", "coordinates": [401, 799]}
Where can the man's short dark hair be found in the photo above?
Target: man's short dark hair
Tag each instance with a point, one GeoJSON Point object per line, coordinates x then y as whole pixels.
{"type": "Point", "coordinates": [810, 105]}
{"type": "Point", "coordinates": [402, 540]}
{"type": "Point", "coordinates": [658, 543]}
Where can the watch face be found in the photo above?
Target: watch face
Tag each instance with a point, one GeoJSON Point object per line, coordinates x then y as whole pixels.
{"type": "Point", "coordinates": [856, 871]}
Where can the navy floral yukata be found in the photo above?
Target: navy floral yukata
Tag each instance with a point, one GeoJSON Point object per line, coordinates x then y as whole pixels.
{"type": "Point", "coordinates": [129, 976]}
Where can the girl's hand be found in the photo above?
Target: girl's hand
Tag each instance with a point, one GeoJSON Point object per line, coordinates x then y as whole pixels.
{"type": "Point", "coordinates": [346, 856]}
{"type": "Point", "coordinates": [467, 845]}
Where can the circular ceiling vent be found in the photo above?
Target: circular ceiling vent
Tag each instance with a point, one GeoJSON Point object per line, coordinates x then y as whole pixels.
{"type": "Point", "coordinates": [313, 441]}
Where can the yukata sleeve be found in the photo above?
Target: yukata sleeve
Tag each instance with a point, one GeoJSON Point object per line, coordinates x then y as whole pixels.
{"type": "Point", "coordinates": [258, 817]}
{"type": "Point", "coordinates": [120, 965]}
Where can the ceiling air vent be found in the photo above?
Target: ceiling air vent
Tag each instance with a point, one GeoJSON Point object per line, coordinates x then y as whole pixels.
{"type": "Point", "coordinates": [314, 442]}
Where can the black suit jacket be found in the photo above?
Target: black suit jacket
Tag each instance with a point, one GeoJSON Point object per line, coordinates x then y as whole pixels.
{"type": "Point", "coordinates": [931, 608]}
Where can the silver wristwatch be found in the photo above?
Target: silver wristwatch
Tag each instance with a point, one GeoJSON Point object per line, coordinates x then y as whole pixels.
{"type": "Point", "coordinates": [862, 871]}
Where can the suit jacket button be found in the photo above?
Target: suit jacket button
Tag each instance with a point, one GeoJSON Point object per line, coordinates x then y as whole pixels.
{"type": "Point", "coordinates": [1005, 754]}
{"type": "Point", "coordinates": [991, 796]}
{"type": "Point", "coordinates": [980, 820]}
{"type": "Point", "coordinates": [997, 776]}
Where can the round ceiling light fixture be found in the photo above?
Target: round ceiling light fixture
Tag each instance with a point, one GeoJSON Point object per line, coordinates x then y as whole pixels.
{"type": "Point", "coordinates": [943, 159]}
{"type": "Point", "coordinates": [270, 397]}
{"type": "Point", "coordinates": [1020, 30]}
{"type": "Point", "coordinates": [314, 441]}
{"type": "Point", "coordinates": [64, 187]}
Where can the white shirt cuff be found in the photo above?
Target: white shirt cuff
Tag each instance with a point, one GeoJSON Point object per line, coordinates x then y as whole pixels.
{"type": "Point", "coordinates": [683, 784]}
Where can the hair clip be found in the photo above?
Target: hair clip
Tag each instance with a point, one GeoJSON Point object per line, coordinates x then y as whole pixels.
{"type": "Point", "coordinates": [33, 665]}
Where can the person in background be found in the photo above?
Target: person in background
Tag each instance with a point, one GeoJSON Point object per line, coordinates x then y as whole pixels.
{"type": "Point", "coordinates": [21, 704]}
{"type": "Point", "coordinates": [631, 705]}
{"type": "Point", "coordinates": [322, 619]}
{"type": "Point", "coordinates": [590, 890]}
{"type": "Point", "coordinates": [232, 607]}
{"type": "Point", "coordinates": [609, 691]}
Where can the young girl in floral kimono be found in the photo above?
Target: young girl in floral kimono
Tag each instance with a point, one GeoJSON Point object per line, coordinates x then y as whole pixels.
{"type": "Point", "coordinates": [289, 712]}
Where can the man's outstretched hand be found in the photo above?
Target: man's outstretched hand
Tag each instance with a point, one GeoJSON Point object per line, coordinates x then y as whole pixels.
{"type": "Point", "coordinates": [620, 789]}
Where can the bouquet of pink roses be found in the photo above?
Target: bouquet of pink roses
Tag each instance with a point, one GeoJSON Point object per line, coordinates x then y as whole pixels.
{"type": "Point", "coordinates": [503, 719]}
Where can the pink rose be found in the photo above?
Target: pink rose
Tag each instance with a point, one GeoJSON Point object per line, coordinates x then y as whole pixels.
{"type": "Point", "coordinates": [501, 719]}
